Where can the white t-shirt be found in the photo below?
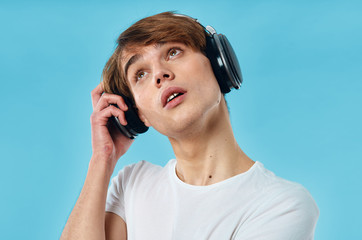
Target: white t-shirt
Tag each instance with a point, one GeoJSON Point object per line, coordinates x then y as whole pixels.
{"type": "Point", "coordinates": [156, 204]}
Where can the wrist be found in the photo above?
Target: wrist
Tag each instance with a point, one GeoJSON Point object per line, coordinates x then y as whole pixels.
{"type": "Point", "coordinates": [101, 164]}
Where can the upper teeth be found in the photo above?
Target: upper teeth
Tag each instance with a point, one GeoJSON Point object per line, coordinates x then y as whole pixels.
{"type": "Point", "coordinates": [172, 96]}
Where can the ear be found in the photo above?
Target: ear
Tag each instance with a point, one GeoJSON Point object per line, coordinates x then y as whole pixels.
{"type": "Point", "coordinates": [144, 119]}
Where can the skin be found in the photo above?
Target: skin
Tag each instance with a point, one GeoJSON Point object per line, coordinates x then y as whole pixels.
{"type": "Point", "coordinates": [198, 128]}
{"type": "Point", "coordinates": [200, 134]}
{"type": "Point", "coordinates": [88, 219]}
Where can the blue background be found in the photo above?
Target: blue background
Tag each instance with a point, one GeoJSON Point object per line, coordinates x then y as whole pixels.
{"type": "Point", "coordinates": [298, 111]}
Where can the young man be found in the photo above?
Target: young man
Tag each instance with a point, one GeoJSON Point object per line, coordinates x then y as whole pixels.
{"type": "Point", "coordinates": [212, 190]}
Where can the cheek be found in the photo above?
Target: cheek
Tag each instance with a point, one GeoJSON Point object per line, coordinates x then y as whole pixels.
{"type": "Point", "coordinates": [205, 71]}
{"type": "Point", "coordinates": [144, 105]}
{"type": "Point", "coordinates": [208, 86]}
{"type": "Point", "coordinates": [206, 78]}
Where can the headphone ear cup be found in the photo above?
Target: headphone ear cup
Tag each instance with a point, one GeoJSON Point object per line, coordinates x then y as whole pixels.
{"type": "Point", "coordinates": [223, 61]}
{"type": "Point", "coordinates": [213, 54]}
{"type": "Point", "coordinates": [134, 125]}
{"type": "Point", "coordinates": [232, 66]}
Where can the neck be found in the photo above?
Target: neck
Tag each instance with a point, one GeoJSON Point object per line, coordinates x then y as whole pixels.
{"type": "Point", "coordinates": [211, 154]}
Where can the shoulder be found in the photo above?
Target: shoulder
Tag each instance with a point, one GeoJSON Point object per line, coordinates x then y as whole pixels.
{"type": "Point", "coordinates": [141, 167]}
{"type": "Point", "coordinates": [289, 202]}
{"type": "Point", "coordinates": [280, 190]}
{"type": "Point", "coordinates": [135, 174]}
{"type": "Point", "coordinates": [291, 199]}
{"type": "Point", "coordinates": [283, 210]}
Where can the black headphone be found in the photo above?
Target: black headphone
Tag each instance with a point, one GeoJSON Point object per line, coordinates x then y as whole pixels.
{"type": "Point", "coordinates": [224, 64]}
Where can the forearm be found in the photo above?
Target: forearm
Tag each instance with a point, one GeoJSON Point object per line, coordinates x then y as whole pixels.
{"type": "Point", "coordinates": [87, 219]}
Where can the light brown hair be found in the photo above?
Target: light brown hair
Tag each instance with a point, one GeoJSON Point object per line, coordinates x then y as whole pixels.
{"type": "Point", "coordinates": [160, 28]}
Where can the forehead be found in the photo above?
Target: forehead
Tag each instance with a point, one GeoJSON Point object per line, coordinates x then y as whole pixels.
{"type": "Point", "coordinates": [131, 55]}
{"type": "Point", "coordinates": [133, 50]}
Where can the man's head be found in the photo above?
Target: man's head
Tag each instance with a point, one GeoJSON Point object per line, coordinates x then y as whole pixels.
{"type": "Point", "coordinates": [161, 28]}
{"type": "Point", "coordinates": [171, 56]}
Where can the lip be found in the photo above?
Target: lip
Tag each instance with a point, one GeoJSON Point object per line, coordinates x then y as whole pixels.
{"type": "Point", "coordinates": [168, 92]}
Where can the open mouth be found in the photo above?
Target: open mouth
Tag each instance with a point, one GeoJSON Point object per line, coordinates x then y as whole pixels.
{"type": "Point", "coordinates": [173, 96]}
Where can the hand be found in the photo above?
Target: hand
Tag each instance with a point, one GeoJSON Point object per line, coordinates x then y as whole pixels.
{"type": "Point", "coordinates": [108, 143]}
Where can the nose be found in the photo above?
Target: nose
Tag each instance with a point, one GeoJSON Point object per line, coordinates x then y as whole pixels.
{"type": "Point", "coordinates": [163, 74]}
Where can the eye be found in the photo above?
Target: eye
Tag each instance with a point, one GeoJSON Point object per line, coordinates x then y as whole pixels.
{"type": "Point", "coordinates": [173, 52]}
{"type": "Point", "coordinates": [139, 75]}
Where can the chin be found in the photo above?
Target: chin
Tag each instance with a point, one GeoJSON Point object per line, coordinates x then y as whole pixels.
{"type": "Point", "coordinates": [178, 129]}
{"type": "Point", "coordinates": [187, 125]}
{"type": "Point", "coordinates": [190, 119]}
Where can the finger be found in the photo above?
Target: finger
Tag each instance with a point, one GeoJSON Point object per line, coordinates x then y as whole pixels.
{"type": "Point", "coordinates": [108, 99]}
{"type": "Point", "coordinates": [96, 94]}
{"type": "Point", "coordinates": [116, 112]}
{"type": "Point", "coordinates": [101, 118]}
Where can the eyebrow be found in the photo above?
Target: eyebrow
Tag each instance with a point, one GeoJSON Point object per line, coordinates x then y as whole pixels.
{"type": "Point", "coordinates": [131, 61]}
{"type": "Point", "coordinates": [137, 57]}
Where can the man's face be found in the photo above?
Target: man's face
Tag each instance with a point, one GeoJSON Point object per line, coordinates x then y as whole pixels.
{"type": "Point", "coordinates": [174, 87]}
